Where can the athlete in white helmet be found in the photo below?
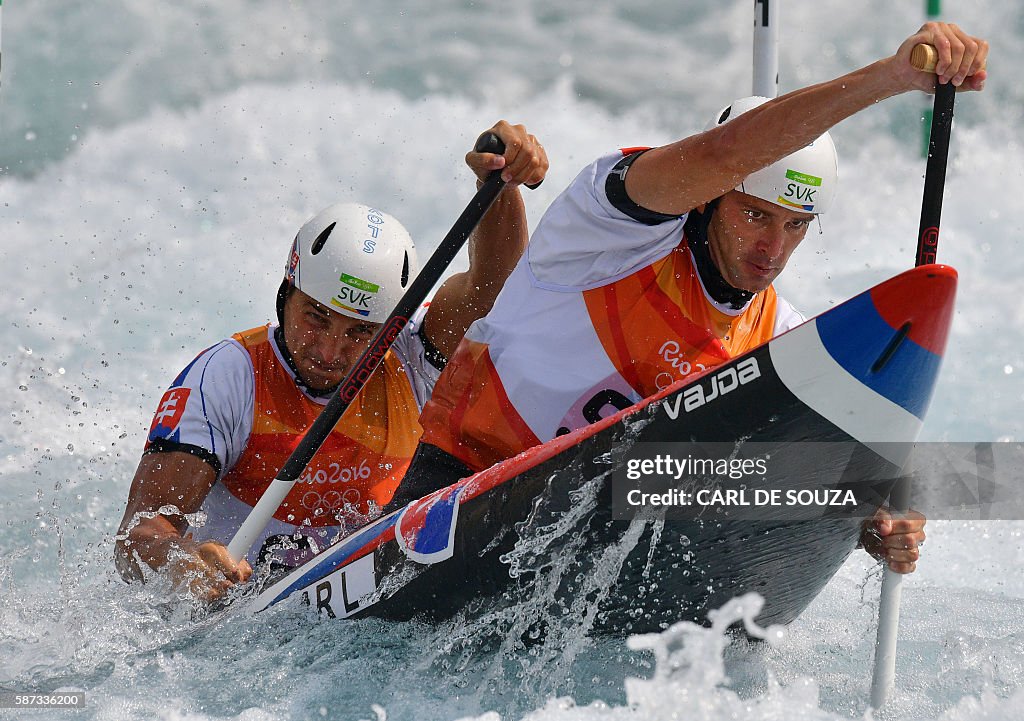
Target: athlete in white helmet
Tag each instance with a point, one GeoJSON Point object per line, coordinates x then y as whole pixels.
{"type": "Point", "coordinates": [656, 264]}
{"type": "Point", "coordinates": [233, 415]}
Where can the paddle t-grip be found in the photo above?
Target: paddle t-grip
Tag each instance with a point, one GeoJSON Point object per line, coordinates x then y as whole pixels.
{"type": "Point", "coordinates": [925, 57]}
{"type": "Point", "coordinates": [489, 142]}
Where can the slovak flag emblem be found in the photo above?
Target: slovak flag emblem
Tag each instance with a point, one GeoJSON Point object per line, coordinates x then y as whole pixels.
{"type": "Point", "coordinates": [425, 530]}
{"type": "Point", "coordinates": [293, 261]}
{"type": "Point", "coordinates": [168, 414]}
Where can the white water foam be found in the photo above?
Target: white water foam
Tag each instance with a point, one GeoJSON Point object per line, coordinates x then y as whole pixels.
{"type": "Point", "coordinates": [160, 223]}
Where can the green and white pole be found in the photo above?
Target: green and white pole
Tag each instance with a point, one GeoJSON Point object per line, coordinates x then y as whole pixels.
{"type": "Point", "coordinates": [933, 12]}
{"type": "Point", "coordinates": [766, 48]}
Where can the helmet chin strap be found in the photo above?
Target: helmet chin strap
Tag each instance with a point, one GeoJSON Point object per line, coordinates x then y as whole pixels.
{"type": "Point", "coordinates": [283, 291]}
{"type": "Point", "coordinates": [696, 230]}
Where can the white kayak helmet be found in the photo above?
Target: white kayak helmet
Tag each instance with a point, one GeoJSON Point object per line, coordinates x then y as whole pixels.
{"type": "Point", "coordinates": [356, 260]}
{"type": "Point", "coordinates": [803, 181]}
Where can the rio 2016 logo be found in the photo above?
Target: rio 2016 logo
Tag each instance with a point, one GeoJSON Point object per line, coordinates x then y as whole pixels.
{"type": "Point", "coordinates": [336, 473]}
{"type": "Point", "coordinates": [671, 353]}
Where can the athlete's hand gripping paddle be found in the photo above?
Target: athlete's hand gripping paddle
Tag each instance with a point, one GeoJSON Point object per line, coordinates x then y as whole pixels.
{"type": "Point", "coordinates": [924, 57]}
{"type": "Point", "coordinates": [372, 357]}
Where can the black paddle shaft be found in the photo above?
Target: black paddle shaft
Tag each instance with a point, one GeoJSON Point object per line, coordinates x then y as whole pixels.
{"type": "Point", "coordinates": [384, 338]}
{"type": "Point", "coordinates": [935, 173]}
{"type": "Point", "coordinates": [931, 212]}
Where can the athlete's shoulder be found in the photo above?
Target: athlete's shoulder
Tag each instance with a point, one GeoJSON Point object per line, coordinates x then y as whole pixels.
{"type": "Point", "coordinates": [584, 240]}
{"type": "Point", "coordinates": [786, 316]}
{"type": "Point", "coordinates": [224, 371]}
{"type": "Point", "coordinates": [593, 178]}
{"type": "Point", "coordinates": [229, 355]}
{"type": "Point", "coordinates": [207, 409]}
{"type": "Point", "coordinates": [260, 335]}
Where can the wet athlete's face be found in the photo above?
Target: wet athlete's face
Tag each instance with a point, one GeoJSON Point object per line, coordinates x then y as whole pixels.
{"type": "Point", "coordinates": [323, 344]}
{"type": "Point", "coordinates": [751, 239]}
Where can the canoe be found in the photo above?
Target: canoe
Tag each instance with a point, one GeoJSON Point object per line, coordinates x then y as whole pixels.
{"type": "Point", "coordinates": [860, 376]}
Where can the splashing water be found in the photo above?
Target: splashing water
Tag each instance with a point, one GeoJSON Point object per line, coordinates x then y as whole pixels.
{"type": "Point", "coordinates": [154, 165]}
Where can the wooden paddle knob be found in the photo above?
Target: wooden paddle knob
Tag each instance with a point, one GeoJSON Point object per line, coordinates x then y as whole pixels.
{"type": "Point", "coordinates": [925, 57]}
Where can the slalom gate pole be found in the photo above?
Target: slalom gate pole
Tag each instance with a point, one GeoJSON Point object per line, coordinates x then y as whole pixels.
{"type": "Point", "coordinates": [766, 48]}
{"type": "Point", "coordinates": [372, 357]}
{"type": "Point", "coordinates": [924, 57]}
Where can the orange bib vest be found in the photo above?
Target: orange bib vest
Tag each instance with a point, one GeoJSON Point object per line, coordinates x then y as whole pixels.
{"type": "Point", "coordinates": [362, 460]}
{"type": "Point", "coordinates": [655, 327]}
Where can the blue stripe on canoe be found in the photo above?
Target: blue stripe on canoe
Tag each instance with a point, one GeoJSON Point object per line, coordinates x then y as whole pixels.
{"type": "Point", "coordinates": [856, 335]}
{"type": "Point", "coordinates": [339, 557]}
{"type": "Point", "coordinates": [437, 528]}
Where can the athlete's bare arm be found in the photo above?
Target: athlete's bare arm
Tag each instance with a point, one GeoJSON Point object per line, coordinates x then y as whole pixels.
{"type": "Point", "coordinates": [180, 480]}
{"type": "Point", "coordinates": [679, 177]}
{"type": "Point", "coordinates": [497, 243]}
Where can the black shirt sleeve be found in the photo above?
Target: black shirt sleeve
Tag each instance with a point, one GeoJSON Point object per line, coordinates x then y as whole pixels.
{"type": "Point", "coordinates": [615, 189]}
{"type": "Point", "coordinates": [163, 445]}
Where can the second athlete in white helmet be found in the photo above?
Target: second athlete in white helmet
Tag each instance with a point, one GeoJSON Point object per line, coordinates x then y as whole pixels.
{"type": "Point", "coordinates": [231, 417]}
